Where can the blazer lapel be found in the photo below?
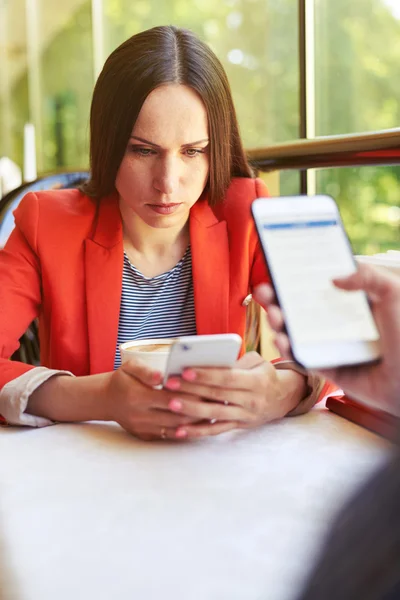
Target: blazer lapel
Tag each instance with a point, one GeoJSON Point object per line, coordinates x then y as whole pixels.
{"type": "Point", "coordinates": [104, 262]}
{"type": "Point", "coordinates": [210, 262]}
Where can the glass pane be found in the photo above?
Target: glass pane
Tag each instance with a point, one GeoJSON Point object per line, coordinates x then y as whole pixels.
{"type": "Point", "coordinates": [256, 40]}
{"type": "Point", "coordinates": [66, 82]}
{"type": "Point", "coordinates": [13, 79]}
{"type": "Point", "coordinates": [368, 199]}
{"type": "Point", "coordinates": [289, 183]}
{"type": "Point", "coordinates": [357, 65]}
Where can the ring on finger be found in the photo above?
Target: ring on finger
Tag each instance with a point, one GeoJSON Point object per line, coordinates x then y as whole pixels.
{"type": "Point", "coordinates": [163, 433]}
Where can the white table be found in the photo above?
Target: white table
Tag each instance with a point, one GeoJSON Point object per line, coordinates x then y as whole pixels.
{"type": "Point", "coordinates": [88, 512]}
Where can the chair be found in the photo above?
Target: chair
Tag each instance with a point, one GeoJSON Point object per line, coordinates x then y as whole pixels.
{"type": "Point", "coordinates": [29, 351]}
{"type": "Point", "coordinates": [10, 201]}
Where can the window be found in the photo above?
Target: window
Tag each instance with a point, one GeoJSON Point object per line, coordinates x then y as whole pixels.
{"type": "Point", "coordinates": [14, 103]}
{"type": "Point", "coordinates": [357, 68]}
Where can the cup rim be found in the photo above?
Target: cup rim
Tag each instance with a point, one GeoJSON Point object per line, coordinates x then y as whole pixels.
{"type": "Point", "coordinates": [127, 346]}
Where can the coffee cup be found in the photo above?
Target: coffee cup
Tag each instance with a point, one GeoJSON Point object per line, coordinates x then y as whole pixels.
{"type": "Point", "coordinates": [154, 353]}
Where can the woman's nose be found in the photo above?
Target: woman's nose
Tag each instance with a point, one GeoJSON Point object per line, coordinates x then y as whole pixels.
{"type": "Point", "coordinates": [166, 177]}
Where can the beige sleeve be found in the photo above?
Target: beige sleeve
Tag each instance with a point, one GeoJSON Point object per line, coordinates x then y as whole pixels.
{"type": "Point", "coordinates": [314, 382]}
{"type": "Point", "coordinates": [14, 397]}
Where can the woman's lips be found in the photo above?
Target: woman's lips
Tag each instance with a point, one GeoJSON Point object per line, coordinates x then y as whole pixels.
{"type": "Point", "coordinates": [164, 209]}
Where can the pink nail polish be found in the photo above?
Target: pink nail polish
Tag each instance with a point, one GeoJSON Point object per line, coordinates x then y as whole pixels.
{"type": "Point", "coordinates": [175, 404]}
{"type": "Point", "coordinates": [189, 375]}
{"type": "Point", "coordinates": [173, 384]}
{"type": "Point", "coordinates": [156, 377]}
{"type": "Point", "coordinates": [181, 433]}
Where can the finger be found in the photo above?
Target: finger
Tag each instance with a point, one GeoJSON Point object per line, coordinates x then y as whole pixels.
{"type": "Point", "coordinates": [275, 318]}
{"type": "Point", "coordinates": [223, 397]}
{"type": "Point", "coordinates": [231, 379]}
{"type": "Point", "coordinates": [159, 433]}
{"type": "Point", "coordinates": [163, 418]}
{"type": "Point", "coordinates": [198, 411]}
{"type": "Point", "coordinates": [378, 283]}
{"type": "Point", "coordinates": [264, 295]}
{"type": "Point", "coordinates": [205, 430]}
{"type": "Point", "coordinates": [158, 399]}
{"type": "Point", "coordinates": [281, 341]}
{"type": "Point", "coordinates": [142, 372]}
{"type": "Point", "coordinates": [171, 435]}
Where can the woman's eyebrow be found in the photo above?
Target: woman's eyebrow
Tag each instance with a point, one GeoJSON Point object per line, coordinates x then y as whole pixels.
{"type": "Point", "coordinates": [144, 141]}
{"type": "Point", "coordinates": [195, 143]}
{"type": "Point", "coordinates": [139, 139]}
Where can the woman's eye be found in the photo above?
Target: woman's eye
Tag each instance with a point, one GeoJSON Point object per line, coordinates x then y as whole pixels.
{"type": "Point", "coordinates": [142, 151]}
{"type": "Point", "coordinates": [194, 151]}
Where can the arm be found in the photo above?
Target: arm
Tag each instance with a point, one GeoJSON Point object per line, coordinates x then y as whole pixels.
{"type": "Point", "coordinates": [126, 396]}
{"type": "Point", "coordinates": [15, 394]}
{"type": "Point", "coordinates": [70, 399]}
{"type": "Point", "coordinates": [20, 287]}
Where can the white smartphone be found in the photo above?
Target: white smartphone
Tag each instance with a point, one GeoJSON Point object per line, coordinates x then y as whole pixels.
{"type": "Point", "coordinates": [305, 247]}
{"type": "Point", "coordinates": [217, 350]}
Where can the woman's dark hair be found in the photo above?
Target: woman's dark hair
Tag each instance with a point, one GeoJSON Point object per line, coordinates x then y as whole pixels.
{"type": "Point", "coordinates": [155, 57]}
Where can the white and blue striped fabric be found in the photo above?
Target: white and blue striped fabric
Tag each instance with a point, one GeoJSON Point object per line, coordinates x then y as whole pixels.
{"type": "Point", "coordinates": [156, 307]}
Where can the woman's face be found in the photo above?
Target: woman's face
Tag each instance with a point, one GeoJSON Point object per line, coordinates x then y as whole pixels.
{"type": "Point", "coordinates": [166, 163]}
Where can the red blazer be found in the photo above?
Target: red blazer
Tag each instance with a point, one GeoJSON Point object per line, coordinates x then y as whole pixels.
{"type": "Point", "coordinates": [63, 264]}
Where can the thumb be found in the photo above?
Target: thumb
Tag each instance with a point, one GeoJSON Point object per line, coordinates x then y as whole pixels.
{"type": "Point", "coordinates": [142, 372]}
{"type": "Point", "coordinates": [377, 283]}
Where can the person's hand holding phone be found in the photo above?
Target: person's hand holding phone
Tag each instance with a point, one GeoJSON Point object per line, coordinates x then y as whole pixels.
{"type": "Point", "coordinates": [305, 246]}
{"type": "Point", "coordinates": [248, 395]}
{"type": "Point", "coordinates": [378, 382]}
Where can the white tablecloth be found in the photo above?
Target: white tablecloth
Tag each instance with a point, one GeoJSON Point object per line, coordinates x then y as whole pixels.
{"type": "Point", "coordinates": [89, 512]}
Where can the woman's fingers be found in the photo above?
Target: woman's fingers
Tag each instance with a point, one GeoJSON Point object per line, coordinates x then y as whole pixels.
{"type": "Point", "coordinates": [157, 424]}
{"type": "Point", "coordinates": [210, 410]}
{"type": "Point", "coordinates": [142, 372]}
{"type": "Point", "coordinates": [169, 419]}
{"type": "Point", "coordinates": [216, 401]}
{"type": "Point", "coordinates": [230, 379]}
{"type": "Point", "coordinates": [205, 429]}
{"type": "Point", "coordinates": [187, 432]}
{"type": "Point", "coordinates": [158, 433]}
{"type": "Point", "coordinates": [244, 389]}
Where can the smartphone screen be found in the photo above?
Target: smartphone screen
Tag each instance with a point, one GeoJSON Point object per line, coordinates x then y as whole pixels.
{"type": "Point", "coordinates": [306, 247]}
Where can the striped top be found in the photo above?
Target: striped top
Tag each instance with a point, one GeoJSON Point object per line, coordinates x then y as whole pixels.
{"type": "Point", "coordinates": [156, 307]}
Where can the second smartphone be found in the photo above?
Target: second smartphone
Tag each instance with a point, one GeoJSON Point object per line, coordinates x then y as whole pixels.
{"type": "Point", "coordinates": [305, 247]}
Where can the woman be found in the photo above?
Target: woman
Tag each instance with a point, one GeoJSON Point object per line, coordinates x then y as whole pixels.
{"type": "Point", "coordinates": [158, 243]}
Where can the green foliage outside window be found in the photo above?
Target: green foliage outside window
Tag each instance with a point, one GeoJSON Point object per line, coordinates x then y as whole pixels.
{"type": "Point", "coordinates": [358, 89]}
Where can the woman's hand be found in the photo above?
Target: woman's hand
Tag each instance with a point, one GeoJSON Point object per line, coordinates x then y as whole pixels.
{"type": "Point", "coordinates": [248, 395]}
{"type": "Point", "coordinates": [140, 409]}
{"type": "Point", "coordinates": [254, 391]}
{"type": "Point", "coordinates": [127, 395]}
